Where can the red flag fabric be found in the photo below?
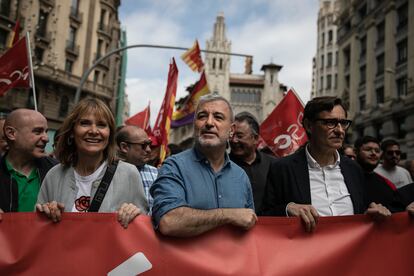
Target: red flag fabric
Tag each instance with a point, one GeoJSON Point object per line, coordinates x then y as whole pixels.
{"type": "Point", "coordinates": [14, 67]}
{"type": "Point", "coordinates": [282, 130]}
{"type": "Point", "coordinates": [95, 244]}
{"type": "Point", "coordinates": [162, 125]}
{"type": "Point", "coordinates": [192, 57]}
{"type": "Point", "coordinates": [141, 119]}
{"type": "Point", "coordinates": [14, 35]}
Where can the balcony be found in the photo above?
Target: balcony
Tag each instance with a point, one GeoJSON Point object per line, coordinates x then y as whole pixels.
{"type": "Point", "coordinates": [104, 63]}
{"type": "Point", "coordinates": [75, 15]}
{"type": "Point", "coordinates": [49, 3]}
{"type": "Point", "coordinates": [104, 29]}
{"type": "Point", "coordinates": [43, 37]}
{"type": "Point", "coordinates": [72, 49]}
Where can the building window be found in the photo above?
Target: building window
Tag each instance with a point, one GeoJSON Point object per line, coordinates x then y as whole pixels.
{"type": "Point", "coordinates": [321, 84]}
{"type": "Point", "coordinates": [363, 47]}
{"type": "Point", "coordinates": [336, 81]}
{"type": "Point", "coordinates": [347, 57]}
{"type": "Point", "coordinates": [247, 97]}
{"type": "Point", "coordinates": [68, 66]}
{"type": "Point", "coordinates": [378, 131]}
{"type": "Point", "coordinates": [42, 24]}
{"type": "Point", "coordinates": [64, 106]}
{"type": "Point", "coordinates": [402, 52]}
{"type": "Point", "coordinates": [328, 81]}
{"type": "Point", "coordinates": [5, 7]}
{"type": "Point", "coordinates": [347, 80]}
{"type": "Point", "coordinates": [38, 54]}
{"type": "Point", "coordinates": [336, 58]}
{"type": "Point", "coordinates": [362, 102]}
{"type": "Point", "coordinates": [362, 12]}
{"type": "Point", "coordinates": [379, 92]}
{"type": "Point", "coordinates": [323, 40]}
{"type": "Point", "coordinates": [99, 48]}
{"type": "Point", "coordinates": [380, 64]}
{"type": "Point", "coordinates": [214, 63]}
{"type": "Point", "coordinates": [402, 16]}
{"type": "Point", "coordinates": [401, 127]}
{"type": "Point", "coordinates": [380, 33]}
{"type": "Point", "coordinates": [74, 8]}
{"type": "Point", "coordinates": [329, 61]}
{"type": "Point", "coordinates": [3, 38]}
{"type": "Point", "coordinates": [330, 37]}
{"type": "Point", "coordinates": [72, 38]}
{"type": "Point", "coordinates": [221, 64]}
{"type": "Point", "coordinates": [322, 61]}
{"type": "Point", "coordinates": [96, 77]}
{"type": "Point", "coordinates": [362, 74]}
{"type": "Point", "coordinates": [402, 86]}
{"type": "Point", "coordinates": [102, 20]}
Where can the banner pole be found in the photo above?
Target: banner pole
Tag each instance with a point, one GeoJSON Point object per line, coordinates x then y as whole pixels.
{"type": "Point", "coordinates": [31, 70]}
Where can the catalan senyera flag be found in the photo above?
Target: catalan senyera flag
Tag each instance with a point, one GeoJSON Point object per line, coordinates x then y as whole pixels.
{"type": "Point", "coordinates": [193, 58]}
{"type": "Point", "coordinates": [282, 130]}
{"type": "Point", "coordinates": [185, 115]}
{"type": "Point", "coordinates": [162, 125]}
{"type": "Point", "coordinates": [14, 67]}
{"type": "Point", "coordinates": [141, 119]}
{"type": "Point", "coordinates": [14, 35]}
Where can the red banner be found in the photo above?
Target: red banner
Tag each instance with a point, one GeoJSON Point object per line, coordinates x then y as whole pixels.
{"type": "Point", "coordinates": [95, 244]}
{"type": "Point", "coordinates": [162, 125]}
{"type": "Point", "coordinates": [282, 130]}
{"type": "Point", "coordinates": [14, 67]}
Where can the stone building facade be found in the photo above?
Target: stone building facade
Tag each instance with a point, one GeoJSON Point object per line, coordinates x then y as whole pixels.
{"type": "Point", "coordinates": [376, 68]}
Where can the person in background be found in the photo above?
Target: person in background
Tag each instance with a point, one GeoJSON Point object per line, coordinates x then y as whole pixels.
{"type": "Point", "coordinates": [391, 155]}
{"type": "Point", "coordinates": [244, 153]}
{"type": "Point", "coordinates": [86, 148]}
{"type": "Point", "coordinates": [201, 188]}
{"type": "Point", "coordinates": [316, 180]}
{"type": "Point", "coordinates": [349, 151]}
{"type": "Point", "coordinates": [134, 147]}
{"type": "Point", "coordinates": [25, 164]}
{"type": "Point", "coordinates": [3, 143]}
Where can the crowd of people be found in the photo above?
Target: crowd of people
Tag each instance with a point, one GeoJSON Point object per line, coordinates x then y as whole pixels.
{"type": "Point", "coordinates": [223, 179]}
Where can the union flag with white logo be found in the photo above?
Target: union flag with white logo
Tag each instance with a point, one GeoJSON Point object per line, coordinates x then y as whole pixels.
{"type": "Point", "coordinates": [282, 130]}
{"type": "Point", "coordinates": [14, 67]}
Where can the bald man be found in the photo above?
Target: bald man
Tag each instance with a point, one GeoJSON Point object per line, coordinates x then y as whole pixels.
{"type": "Point", "coordinates": [134, 147]}
{"type": "Point", "coordinates": [25, 164]}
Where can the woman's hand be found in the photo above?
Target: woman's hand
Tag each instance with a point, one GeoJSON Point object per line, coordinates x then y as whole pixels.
{"type": "Point", "coordinates": [52, 210]}
{"type": "Point", "coordinates": [127, 213]}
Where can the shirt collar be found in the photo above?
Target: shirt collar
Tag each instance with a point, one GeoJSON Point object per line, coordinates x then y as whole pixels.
{"type": "Point", "coordinates": [199, 157]}
{"type": "Point", "coordinates": [314, 164]}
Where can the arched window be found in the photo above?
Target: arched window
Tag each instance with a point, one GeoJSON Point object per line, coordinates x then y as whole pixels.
{"type": "Point", "coordinates": [64, 106]}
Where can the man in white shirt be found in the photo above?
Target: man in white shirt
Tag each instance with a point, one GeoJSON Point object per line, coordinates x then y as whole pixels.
{"type": "Point", "coordinates": [316, 181]}
{"type": "Point", "coordinates": [391, 155]}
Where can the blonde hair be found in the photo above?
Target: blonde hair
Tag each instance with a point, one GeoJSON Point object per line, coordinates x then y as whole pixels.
{"type": "Point", "coordinates": [66, 150]}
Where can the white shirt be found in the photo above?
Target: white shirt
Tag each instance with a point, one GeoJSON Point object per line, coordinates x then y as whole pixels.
{"type": "Point", "coordinates": [329, 194]}
{"type": "Point", "coordinates": [397, 175]}
{"type": "Point", "coordinates": [84, 184]}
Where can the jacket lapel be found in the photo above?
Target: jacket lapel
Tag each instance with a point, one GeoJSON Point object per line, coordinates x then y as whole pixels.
{"type": "Point", "coordinates": [301, 172]}
{"type": "Point", "coordinates": [351, 183]}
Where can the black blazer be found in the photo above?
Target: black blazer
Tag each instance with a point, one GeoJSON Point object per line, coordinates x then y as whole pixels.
{"type": "Point", "coordinates": [292, 184]}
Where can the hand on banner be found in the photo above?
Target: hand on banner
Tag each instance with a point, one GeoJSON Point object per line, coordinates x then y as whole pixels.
{"type": "Point", "coordinates": [410, 208]}
{"type": "Point", "coordinates": [52, 210]}
{"type": "Point", "coordinates": [240, 217]}
{"type": "Point", "coordinates": [378, 212]}
{"type": "Point", "coordinates": [307, 214]}
{"type": "Point", "coordinates": [127, 213]}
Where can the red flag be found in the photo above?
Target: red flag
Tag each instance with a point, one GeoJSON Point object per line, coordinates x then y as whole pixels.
{"type": "Point", "coordinates": [141, 119]}
{"type": "Point", "coordinates": [193, 58]}
{"type": "Point", "coordinates": [162, 124]}
{"type": "Point", "coordinates": [14, 35]}
{"type": "Point", "coordinates": [14, 67]}
{"type": "Point", "coordinates": [282, 130]}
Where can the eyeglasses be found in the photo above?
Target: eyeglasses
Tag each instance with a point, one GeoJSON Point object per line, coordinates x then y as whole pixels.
{"type": "Point", "coordinates": [332, 123]}
{"type": "Point", "coordinates": [392, 152]}
{"type": "Point", "coordinates": [143, 145]}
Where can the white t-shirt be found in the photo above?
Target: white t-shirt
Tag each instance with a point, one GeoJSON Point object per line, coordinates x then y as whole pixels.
{"type": "Point", "coordinates": [397, 175]}
{"type": "Point", "coordinates": [84, 184]}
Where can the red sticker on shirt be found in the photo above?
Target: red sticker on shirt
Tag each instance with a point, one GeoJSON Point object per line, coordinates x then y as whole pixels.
{"type": "Point", "coordinates": [82, 204]}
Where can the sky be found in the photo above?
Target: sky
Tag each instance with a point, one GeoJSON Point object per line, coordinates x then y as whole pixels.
{"type": "Point", "coordinates": [279, 31]}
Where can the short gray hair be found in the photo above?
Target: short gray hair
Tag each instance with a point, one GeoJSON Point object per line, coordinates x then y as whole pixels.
{"type": "Point", "coordinates": [212, 97]}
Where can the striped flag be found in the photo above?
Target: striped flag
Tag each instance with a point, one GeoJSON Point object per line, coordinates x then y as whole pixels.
{"type": "Point", "coordinates": [193, 58]}
{"type": "Point", "coordinates": [14, 35]}
{"type": "Point", "coordinates": [162, 124]}
{"type": "Point", "coordinates": [185, 114]}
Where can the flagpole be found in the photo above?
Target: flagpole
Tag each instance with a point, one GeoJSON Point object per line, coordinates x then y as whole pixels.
{"type": "Point", "coordinates": [31, 70]}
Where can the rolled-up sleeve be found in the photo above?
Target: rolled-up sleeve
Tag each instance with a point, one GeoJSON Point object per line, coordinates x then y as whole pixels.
{"type": "Point", "coordinates": [168, 191]}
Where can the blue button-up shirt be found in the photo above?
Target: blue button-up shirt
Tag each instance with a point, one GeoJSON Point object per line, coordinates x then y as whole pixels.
{"type": "Point", "coordinates": [187, 179]}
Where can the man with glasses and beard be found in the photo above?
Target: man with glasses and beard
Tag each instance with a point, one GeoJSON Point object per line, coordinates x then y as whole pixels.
{"type": "Point", "coordinates": [201, 188]}
{"type": "Point", "coordinates": [316, 181]}
{"type": "Point", "coordinates": [391, 155]}
{"type": "Point", "coordinates": [134, 147]}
